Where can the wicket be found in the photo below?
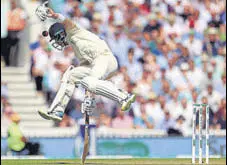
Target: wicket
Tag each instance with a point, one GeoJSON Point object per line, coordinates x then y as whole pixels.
{"type": "Point", "coordinates": [199, 107]}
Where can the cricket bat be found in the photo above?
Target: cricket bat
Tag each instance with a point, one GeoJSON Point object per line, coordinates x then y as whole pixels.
{"type": "Point", "coordinates": [86, 135]}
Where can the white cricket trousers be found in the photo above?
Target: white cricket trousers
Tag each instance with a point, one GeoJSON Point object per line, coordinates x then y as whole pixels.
{"type": "Point", "coordinates": [92, 78]}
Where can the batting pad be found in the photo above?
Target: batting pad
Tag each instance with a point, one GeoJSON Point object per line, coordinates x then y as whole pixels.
{"type": "Point", "coordinates": [62, 98]}
{"type": "Point", "coordinates": [103, 88]}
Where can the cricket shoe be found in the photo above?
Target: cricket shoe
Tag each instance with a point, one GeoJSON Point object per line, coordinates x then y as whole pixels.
{"type": "Point", "coordinates": [55, 115]}
{"type": "Point", "coordinates": [127, 102]}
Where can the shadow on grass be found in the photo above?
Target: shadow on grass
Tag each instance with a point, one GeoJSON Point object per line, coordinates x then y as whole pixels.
{"type": "Point", "coordinates": [73, 163]}
{"type": "Point", "coordinates": [60, 163]}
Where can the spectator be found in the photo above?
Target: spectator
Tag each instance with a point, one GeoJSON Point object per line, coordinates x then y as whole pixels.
{"type": "Point", "coordinates": [68, 7]}
{"type": "Point", "coordinates": [174, 26]}
{"type": "Point", "coordinates": [188, 9]}
{"type": "Point", "coordinates": [195, 96]}
{"type": "Point", "coordinates": [152, 31]}
{"type": "Point", "coordinates": [40, 58]}
{"type": "Point", "coordinates": [144, 84]}
{"type": "Point", "coordinates": [156, 110]}
{"type": "Point", "coordinates": [104, 121]}
{"type": "Point", "coordinates": [119, 45]}
{"type": "Point", "coordinates": [195, 75]}
{"type": "Point", "coordinates": [193, 45]}
{"type": "Point", "coordinates": [213, 97]}
{"type": "Point", "coordinates": [7, 112]}
{"type": "Point", "coordinates": [197, 23]}
{"type": "Point", "coordinates": [134, 68]}
{"type": "Point", "coordinates": [220, 85]}
{"type": "Point", "coordinates": [212, 43]}
{"type": "Point", "coordinates": [78, 17]}
{"type": "Point", "coordinates": [162, 58]}
{"type": "Point", "coordinates": [121, 77]}
{"type": "Point", "coordinates": [143, 121]}
{"type": "Point", "coordinates": [4, 90]}
{"type": "Point", "coordinates": [153, 24]}
{"type": "Point", "coordinates": [89, 7]}
{"type": "Point", "coordinates": [145, 7]}
{"type": "Point", "coordinates": [209, 78]}
{"type": "Point", "coordinates": [17, 141]}
{"type": "Point", "coordinates": [184, 56]}
{"type": "Point", "coordinates": [180, 128]}
{"type": "Point", "coordinates": [57, 5]}
{"type": "Point", "coordinates": [16, 24]}
{"type": "Point", "coordinates": [168, 122]}
{"type": "Point", "coordinates": [173, 102]}
{"type": "Point", "coordinates": [67, 121]}
{"type": "Point", "coordinates": [166, 90]}
{"type": "Point", "coordinates": [96, 26]}
{"type": "Point", "coordinates": [149, 62]}
{"type": "Point", "coordinates": [182, 82]}
{"type": "Point", "coordinates": [215, 20]}
{"type": "Point", "coordinates": [173, 72]}
{"type": "Point", "coordinates": [185, 109]}
{"type": "Point", "coordinates": [222, 33]}
{"type": "Point", "coordinates": [221, 115]}
{"type": "Point", "coordinates": [122, 120]}
{"type": "Point", "coordinates": [137, 104]}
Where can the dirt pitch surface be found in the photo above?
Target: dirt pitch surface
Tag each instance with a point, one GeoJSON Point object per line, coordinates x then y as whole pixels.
{"type": "Point", "coordinates": [108, 162]}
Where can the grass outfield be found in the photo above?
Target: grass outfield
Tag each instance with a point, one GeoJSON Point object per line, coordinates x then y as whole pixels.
{"type": "Point", "coordinates": [107, 162]}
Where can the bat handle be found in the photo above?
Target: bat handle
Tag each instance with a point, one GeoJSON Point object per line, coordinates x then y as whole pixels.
{"type": "Point", "coordinates": [86, 118]}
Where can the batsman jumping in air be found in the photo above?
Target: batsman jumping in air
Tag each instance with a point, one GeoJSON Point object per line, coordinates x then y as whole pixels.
{"type": "Point", "coordinates": [97, 63]}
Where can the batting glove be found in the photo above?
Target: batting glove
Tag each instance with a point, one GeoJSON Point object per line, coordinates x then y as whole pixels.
{"type": "Point", "coordinates": [42, 11]}
{"type": "Point", "coordinates": [88, 105]}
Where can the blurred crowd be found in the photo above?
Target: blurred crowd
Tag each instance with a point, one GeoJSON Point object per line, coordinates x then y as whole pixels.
{"type": "Point", "coordinates": [171, 53]}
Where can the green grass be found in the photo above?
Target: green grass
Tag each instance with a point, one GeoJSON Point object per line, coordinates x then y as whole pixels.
{"type": "Point", "coordinates": [107, 162]}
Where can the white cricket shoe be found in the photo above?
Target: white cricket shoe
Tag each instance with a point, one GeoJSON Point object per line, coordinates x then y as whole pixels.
{"type": "Point", "coordinates": [56, 115]}
{"type": "Point", "coordinates": [127, 102]}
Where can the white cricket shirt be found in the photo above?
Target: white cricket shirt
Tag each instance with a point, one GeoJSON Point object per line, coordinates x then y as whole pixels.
{"type": "Point", "coordinates": [86, 45]}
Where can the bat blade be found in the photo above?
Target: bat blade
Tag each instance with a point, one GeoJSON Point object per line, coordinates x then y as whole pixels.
{"type": "Point", "coordinates": [86, 139]}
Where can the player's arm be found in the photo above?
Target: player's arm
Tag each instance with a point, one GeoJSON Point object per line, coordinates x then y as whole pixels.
{"type": "Point", "coordinates": [69, 24]}
{"type": "Point", "coordinates": [44, 12]}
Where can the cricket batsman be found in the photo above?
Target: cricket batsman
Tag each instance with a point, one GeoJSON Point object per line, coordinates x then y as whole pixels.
{"type": "Point", "coordinates": [97, 63]}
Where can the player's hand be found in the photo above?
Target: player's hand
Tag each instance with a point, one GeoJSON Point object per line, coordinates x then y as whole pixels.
{"type": "Point", "coordinates": [44, 12]}
{"type": "Point", "coordinates": [88, 105]}
{"type": "Point", "coordinates": [52, 14]}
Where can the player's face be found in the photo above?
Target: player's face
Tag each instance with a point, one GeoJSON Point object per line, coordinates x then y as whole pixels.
{"type": "Point", "coordinates": [59, 40]}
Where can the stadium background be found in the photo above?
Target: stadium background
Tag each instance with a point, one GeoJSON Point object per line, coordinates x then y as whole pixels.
{"type": "Point", "coordinates": [171, 54]}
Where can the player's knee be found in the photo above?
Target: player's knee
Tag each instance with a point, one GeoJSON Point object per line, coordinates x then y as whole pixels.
{"type": "Point", "coordinates": [89, 83]}
{"type": "Point", "coordinates": [67, 76]}
{"type": "Point", "coordinates": [74, 75]}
